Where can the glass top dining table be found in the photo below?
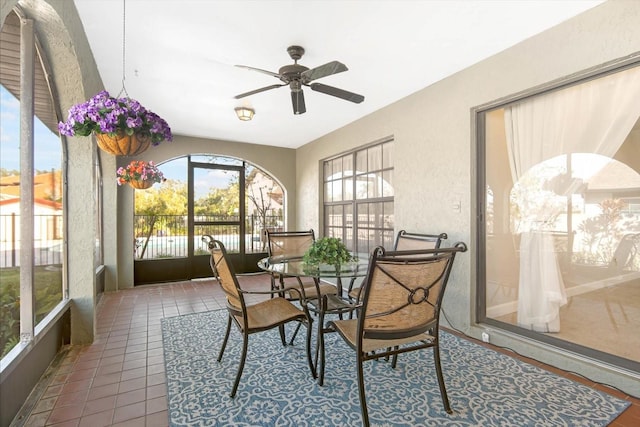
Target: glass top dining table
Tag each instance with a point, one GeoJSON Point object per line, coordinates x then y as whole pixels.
{"type": "Point", "coordinates": [295, 267]}
{"type": "Point", "coordinates": [336, 304]}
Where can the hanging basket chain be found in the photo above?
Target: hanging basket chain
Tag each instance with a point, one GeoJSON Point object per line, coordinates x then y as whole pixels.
{"type": "Point", "coordinates": [115, 121]}
{"type": "Point", "coordinates": [124, 27]}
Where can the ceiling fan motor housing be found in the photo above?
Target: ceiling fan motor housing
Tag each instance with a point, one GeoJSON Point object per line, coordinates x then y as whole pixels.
{"type": "Point", "coordinates": [291, 72]}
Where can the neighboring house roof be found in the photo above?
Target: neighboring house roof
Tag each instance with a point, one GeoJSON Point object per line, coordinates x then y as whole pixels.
{"type": "Point", "coordinates": [614, 176]}
{"type": "Point", "coordinates": [39, 202]}
{"type": "Point", "coordinates": [46, 185]}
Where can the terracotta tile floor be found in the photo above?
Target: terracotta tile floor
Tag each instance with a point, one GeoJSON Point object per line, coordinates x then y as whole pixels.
{"type": "Point", "coordinates": [119, 380]}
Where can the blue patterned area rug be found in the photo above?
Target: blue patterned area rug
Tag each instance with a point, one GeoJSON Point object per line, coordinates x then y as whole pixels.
{"type": "Point", "coordinates": [485, 388]}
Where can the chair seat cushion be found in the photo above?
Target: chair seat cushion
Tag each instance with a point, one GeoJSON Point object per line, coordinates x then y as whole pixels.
{"type": "Point", "coordinates": [347, 328]}
{"type": "Point", "coordinates": [266, 314]}
{"type": "Point", "coordinates": [354, 293]}
{"type": "Point", "coordinates": [311, 292]}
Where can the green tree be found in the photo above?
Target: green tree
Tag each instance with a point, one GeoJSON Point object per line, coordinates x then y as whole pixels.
{"type": "Point", "coordinates": [262, 203]}
{"type": "Point", "coordinates": [602, 233]}
{"type": "Point", "coordinates": [219, 201]}
{"type": "Point", "coordinates": [9, 172]}
{"type": "Point", "coordinates": [158, 202]}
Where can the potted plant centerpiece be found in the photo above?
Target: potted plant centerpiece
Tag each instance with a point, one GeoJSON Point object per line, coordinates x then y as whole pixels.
{"type": "Point", "coordinates": [122, 126]}
{"type": "Point", "coordinates": [139, 174]}
{"type": "Point", "coordinates": [328, 253]}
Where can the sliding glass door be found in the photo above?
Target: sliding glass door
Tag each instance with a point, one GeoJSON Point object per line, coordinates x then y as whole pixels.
{"type": "Point", "coordinates": [559, 230]}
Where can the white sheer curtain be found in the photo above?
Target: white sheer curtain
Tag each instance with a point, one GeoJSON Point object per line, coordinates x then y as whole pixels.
{"type": "Point", "coordinates": [592, 117]}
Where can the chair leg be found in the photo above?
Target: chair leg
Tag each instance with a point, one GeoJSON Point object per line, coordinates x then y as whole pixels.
{"type": "Point", "coordinates": [243, 358]}
{"type": "Point", "coordinates": [226, 338]}
{"type": "Point", "coordinates": [363, 400]}
{"type": "Point", "coordinates": [443, 390]}
{"type": "Point", "coordinates": [295, 333]}
{"type": "Point", "coordinates": [320, 349]}
{"type": "Point", "coordinates": [309, 358]}
{"type": "Point", "coordinates": [281, 327]}
{"type": "Point", "coordinates": [394, 359]}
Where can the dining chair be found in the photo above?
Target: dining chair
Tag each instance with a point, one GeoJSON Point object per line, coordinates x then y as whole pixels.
{"type": "Point", "coordinates": [405, 241]}
{"type": "Point", "coordinates": [400, 310]}
{"type": "Point", "coordinates": [250, 319]}
{"type": "Point", "coordinates": [288, 245]}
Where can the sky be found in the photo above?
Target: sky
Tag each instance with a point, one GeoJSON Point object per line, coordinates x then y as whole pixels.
{"type": "Point", "coordinates": [48, 148]}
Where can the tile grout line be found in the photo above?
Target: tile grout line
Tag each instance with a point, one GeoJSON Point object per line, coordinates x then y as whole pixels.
{"type": "Point", "coordinates": [41, 387]}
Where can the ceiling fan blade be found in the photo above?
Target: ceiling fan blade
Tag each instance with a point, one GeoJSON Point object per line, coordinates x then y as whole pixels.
{"type": "Point", "coordinates": [297, 99]}
{"type": "Point", "coordinates": [242, 95]}
{"type": "Point", "coordinates": [271, 73]}
{"type": "Point", "coordinates": [333, 67]}
{"type": "Point", "coordinates": [340, 93]}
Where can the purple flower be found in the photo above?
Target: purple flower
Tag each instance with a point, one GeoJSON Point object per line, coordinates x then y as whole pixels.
{"type": "Point", "coordinates": [134, 122]}
{"type": "Point", "coordinates": [66, 129]}
{"type": "Point", "coordinates": [91, 114]}
{"type": "Point", "coordinates": [106, 126]}
{"type": "Point", "coordinates": [110, 103]}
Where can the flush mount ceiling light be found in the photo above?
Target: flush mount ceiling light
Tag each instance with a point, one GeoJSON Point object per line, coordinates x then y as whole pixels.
{"type": "Point", "coordinates": [244, 113]}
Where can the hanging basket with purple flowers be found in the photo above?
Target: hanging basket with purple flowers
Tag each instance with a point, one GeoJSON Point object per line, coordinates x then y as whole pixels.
{"type": "Point", "coordinates": [122, 126]}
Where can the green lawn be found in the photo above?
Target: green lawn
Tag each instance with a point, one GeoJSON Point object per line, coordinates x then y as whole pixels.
{"type": "Point", "coordinates": [48, 291]}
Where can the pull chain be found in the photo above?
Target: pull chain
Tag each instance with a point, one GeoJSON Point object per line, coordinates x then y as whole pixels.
{"type": "Point", "coordinates": [124, 26]}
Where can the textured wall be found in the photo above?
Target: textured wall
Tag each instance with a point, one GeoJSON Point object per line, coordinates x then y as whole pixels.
{"type": "Point", "coordinates": [435, 147]}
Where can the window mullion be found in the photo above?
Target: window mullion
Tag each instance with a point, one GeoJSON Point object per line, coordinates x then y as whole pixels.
{"type": "Point", "coordinates": [27, 210]}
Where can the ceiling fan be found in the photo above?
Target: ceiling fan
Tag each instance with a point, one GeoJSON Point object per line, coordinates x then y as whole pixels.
{"type": "Point", "coordinates": [295, 76]}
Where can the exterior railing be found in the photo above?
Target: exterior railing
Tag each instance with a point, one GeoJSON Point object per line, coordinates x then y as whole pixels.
{"type": "Point", "coordinates": [47, 240]}
{"type": "Point", "coordinates": [156, 236]}
{"type": "Point", "coordinates": [165, 236]}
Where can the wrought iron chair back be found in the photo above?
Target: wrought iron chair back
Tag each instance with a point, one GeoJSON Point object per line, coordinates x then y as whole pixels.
{"type": "Point", "coordinates": [249, 319]}
{"type": "Point", "coordinates": [403, 294]}
{"type": "Point", "coordinates": [400, 309]}
{"type": "Point", "coordinates": [288, 245]}
{"type": "Point", "coordinates": [414, 241]}
{"type": "Point", "coordinates": [223, 272]}
{"type": "Point", "coordinates": [405, 241]}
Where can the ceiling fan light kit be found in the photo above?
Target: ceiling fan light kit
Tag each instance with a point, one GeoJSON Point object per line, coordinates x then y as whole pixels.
{"type": "Point", "coordinates": [296, 76]}
{"type": "Point", "coordinates": [244, 113]}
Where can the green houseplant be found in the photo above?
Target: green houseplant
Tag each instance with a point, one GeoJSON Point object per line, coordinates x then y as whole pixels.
{"type": "Point", "coordinates": [328, 250]}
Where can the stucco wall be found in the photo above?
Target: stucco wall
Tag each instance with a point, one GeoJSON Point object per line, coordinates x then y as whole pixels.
{"type": "Point", "coordinates": [434, 155]}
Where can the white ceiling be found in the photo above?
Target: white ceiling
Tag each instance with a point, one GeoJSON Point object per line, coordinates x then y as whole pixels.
{"type": "Point", "coordinates": [180, 55]}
